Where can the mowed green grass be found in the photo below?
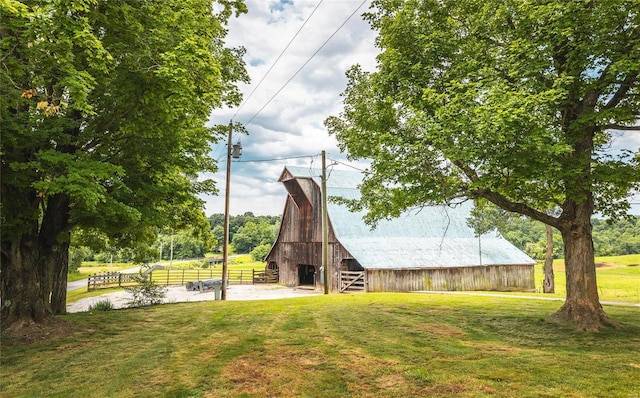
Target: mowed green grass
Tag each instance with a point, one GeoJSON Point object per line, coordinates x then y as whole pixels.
{"type": "Point", "coordinates": [618, 279]}
{"type": "Point", "coordinates": [357, 345]}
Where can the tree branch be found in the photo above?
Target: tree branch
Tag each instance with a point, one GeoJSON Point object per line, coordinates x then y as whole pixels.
{"type": "Point", "coordinates": [626, 84]}
{"type": "Point", "coordinates": [516, 207]}
{"type": "Point", "coordinates": [621, 127]}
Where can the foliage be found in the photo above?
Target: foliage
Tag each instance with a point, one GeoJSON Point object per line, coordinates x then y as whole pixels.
{"type": "Point", "coordinates": [246, 231]}
{"type": "Point", "coordinates": [146, 292]}
{"type": "Point", "coordinates": [259, 253]}
{"type": "Point", "coordinates": [76, 256]}
{"type": "Point", "coordinates": [609, 238]}
{"type": "Point", "coordinates": [468, 101]}
{"type": "Point", "coordinates": [104, 108]}
{"type": "Point", "coordinates": [101, 305]}
{"type": "Point", "coordinates": [618, 238]}
{"type": "Point", "coordinates": [186, 244]}
{"type": "Point", "coordinates": [218, 234]}
{"type": "Point", "coordinates": [358, 345]}
{"type": "Point", "coordinates": [507, 102]}
{"type": "Point", "coordinates": [252, 235]}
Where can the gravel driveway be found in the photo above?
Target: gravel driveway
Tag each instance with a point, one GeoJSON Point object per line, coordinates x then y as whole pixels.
{"type": "Point", "coordinates": [176, 294]}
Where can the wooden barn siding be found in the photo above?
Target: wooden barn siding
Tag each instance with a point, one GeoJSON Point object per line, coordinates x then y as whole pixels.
{"type": "Point", "coordinates": [300, 237]}
{"type": "Point", "coordinates": [299, 221]}
{"type": "Point", "coordinates": [492, 277]}
{"type": "Point", "coordinates": [288, 255]}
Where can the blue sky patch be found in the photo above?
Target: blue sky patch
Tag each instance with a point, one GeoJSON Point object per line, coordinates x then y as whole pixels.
{"type": "Point", "coordinates": [280, 5]}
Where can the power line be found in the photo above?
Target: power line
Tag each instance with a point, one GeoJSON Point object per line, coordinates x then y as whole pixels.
{"type": "Point", "coordinates": [277, 59]}
{"type": "Point", "coordinates": [218, 156]}
{"type": "Point", "coordinates": [305, 64]}
{"type": "Point", "coordinates": [348, 165]}
{"type": "Point", "coordinates": [276, 159]}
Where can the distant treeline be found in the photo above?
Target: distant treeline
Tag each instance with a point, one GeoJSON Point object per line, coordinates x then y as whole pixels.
{"type": "Point", "coordinates": [256, 234]}
{"type": "Point", "coordinates": [609, 239]}
{"type": "Point", "coordinates": [246, 232]}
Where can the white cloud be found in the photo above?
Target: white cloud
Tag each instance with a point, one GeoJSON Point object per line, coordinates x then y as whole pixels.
{"type": "Point", "coordinates": [291, 125]}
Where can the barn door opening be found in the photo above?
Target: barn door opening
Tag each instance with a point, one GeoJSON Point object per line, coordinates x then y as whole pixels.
{"type": "Point", "coordinates": [306, 275]}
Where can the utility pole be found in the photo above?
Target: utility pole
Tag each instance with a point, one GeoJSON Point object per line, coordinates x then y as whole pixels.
{"type": "Point", "coordinates": [235, 151]}
{"type": "Point", "coordinates": [325, 226]}
{"type": "Point", "coordinates": [225, 250]}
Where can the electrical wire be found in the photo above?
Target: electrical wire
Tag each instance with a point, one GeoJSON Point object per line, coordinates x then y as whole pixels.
{"type": "Point", "coordinates": [276, 159]}
{"type": "Point", "coordinates": [220, 152]}
{"type": "Point", "coordinates": [276, 61]}
{"type": "Point", "coordinates": [305, 64]}
{"type": "Point", "coordinates": [348, 165]}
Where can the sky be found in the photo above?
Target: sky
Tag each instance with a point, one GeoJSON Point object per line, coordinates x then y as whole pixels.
{"type": "Point", "coordinates": [285, 120]}
{"type": "Point", "coordinates": [295, 85]}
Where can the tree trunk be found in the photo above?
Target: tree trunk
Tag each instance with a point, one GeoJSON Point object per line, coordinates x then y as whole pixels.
{"type": "Point", "coordinates": [60, 275]}
{"type": "Point", "coordinates": [54, 250]}
{"type": "Point", "coordinates": [34, 270]}
{"type": "Point", "coordinates": [23, 285]}
{"type": "Point", "coordinates": [549, 285]}
{"type": "Point", "coordinates": [582, 308]}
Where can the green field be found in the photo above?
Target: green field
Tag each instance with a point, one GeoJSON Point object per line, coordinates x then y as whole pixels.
{"type": "Point", "coordinates": [359, 345]}
{"type": "Point", "coordinates": [618, 279]}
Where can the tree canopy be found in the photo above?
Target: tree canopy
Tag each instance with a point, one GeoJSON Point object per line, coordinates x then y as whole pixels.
{"type": "Point", "coordinates": [511, 102]}
{"type": "Point", "coordinates": [104, 111]}
{"type": "Point", "coordinates": [246, 231]}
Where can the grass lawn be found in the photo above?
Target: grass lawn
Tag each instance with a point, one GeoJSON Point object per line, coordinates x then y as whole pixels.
{"type": "Point", "coordinates": [92, 267]}
{"type": "Point", "coordinates": [618, 279]}
{"type": "Point", "coordinates": [358, 345]}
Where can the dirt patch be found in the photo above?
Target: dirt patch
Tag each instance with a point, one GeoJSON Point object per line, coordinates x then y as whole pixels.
{"type": "Point", "coordinates": [441, 330]}
{"type": "Point", "coordinates": [605, 265]}
{"type": "Point", "coordinates": [282, 373]}
{"type": "Point", "coordinates": [27, 332]}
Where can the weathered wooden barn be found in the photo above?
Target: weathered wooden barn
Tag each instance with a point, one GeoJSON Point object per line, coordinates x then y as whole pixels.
{"type": "Point", "coordinates": [432, 248]}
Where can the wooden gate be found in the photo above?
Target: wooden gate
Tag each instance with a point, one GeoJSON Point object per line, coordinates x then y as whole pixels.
{"type": "Point", "coordinates": [352, 281]}
{"type": "Point", "coordinates": [266, 276]}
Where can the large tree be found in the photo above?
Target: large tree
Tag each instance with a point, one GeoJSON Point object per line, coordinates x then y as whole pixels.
{"type": "Point", "coordinates": [512, 102]}
{"type": "Point", "coordinates": [104, 106]}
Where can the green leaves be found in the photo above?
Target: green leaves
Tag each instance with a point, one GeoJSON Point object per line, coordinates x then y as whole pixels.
{"type": "Point", "coordinates": [503, 100]}
{"type": "Point", "coordinates": [107, 102]}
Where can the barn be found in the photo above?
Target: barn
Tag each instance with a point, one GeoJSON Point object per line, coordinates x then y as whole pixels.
{"type": "Point", "coordinates": [431, 248]}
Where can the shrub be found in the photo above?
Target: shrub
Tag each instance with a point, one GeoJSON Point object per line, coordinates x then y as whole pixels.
{"type": "Point", "coordinates": [260, 252]}
{"type": "Point", "coordinates": [76, 256]}
{"type": "Point", "coordinates": [102, 305]}
{"type": "Point", "coordinates": [147, 292]}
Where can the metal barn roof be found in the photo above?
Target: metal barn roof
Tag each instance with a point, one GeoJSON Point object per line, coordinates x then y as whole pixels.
{"type": "Point", "coordinates": [429, 237]}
